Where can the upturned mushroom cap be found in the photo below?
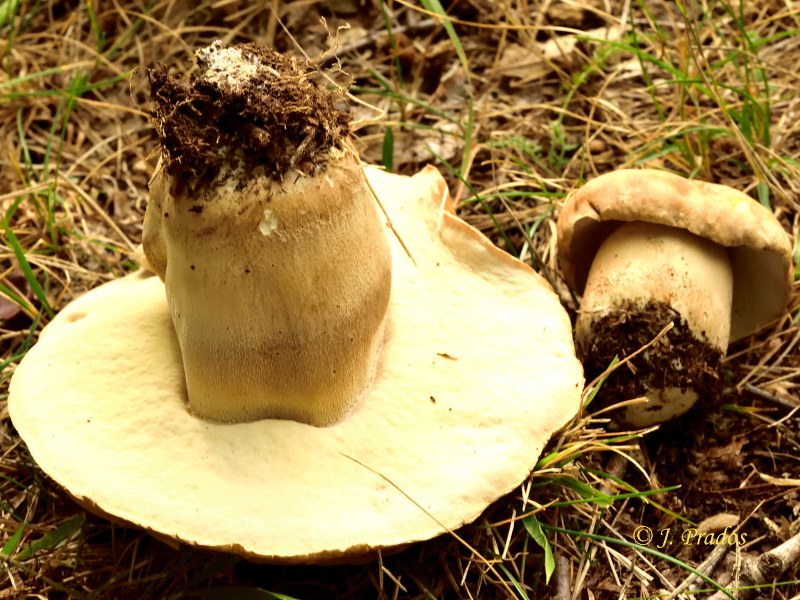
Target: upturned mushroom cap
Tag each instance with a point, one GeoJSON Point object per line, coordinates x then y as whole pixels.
{"type": "Point", "coordinates": [759, 249]}
{"type": "Point", "coordinates": [476, 372]}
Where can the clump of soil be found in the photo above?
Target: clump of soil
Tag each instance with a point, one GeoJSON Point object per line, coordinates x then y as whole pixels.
{"type": "Point", "coordinates": [678, 359]}
{"type": "Point", "coordinates": [250, 104]}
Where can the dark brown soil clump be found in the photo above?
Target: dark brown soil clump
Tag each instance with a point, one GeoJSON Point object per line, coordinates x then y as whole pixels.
{"type": "Point", "coordinates": [268, 111]}
{"type": "Point", "coordinates": [678, 359]}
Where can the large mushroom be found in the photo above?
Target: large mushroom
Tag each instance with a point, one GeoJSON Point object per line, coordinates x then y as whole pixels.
{"type": "Point", "coordinates": [298, 357]}
{"type": "Point", "coordinates": [648, 247]}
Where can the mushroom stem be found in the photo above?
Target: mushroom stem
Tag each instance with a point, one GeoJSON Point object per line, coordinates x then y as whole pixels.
{"type": "Point", "coordinates": [643, 276]}
{"type": "Point", "coordinates": [278, 293]}
{"type": "Point", "coordinates": [268, 239]}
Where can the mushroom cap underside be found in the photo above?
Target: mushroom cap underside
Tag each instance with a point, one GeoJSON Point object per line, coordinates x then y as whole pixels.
{"type": "Point", "coordinates": [759, 249]}
{"type": "Point", "coordinates": [477, 371]}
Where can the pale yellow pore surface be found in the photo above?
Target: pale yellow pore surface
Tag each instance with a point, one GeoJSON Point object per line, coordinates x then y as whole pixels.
{"type": "Point", "coordinates": [101, 402]}
{"type": "Point", "coordinates": [759, 249]}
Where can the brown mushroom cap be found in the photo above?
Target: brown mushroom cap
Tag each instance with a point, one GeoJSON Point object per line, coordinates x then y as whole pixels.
{"type": "Point", "coordinates": [477, 371]}
{"type": "Point", "coordinates": [760, 250]}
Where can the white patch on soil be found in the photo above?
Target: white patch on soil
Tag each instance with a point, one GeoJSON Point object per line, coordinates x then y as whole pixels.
{"type": "Point", "coordinates": [229, 66]}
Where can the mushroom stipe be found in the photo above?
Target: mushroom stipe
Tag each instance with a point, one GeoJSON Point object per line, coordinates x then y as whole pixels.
{"type": "Point", "coordinates": [679, 359]}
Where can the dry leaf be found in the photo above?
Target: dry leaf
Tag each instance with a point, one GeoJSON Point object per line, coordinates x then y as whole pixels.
{"type": "Point", "coordinates": [530, 64]}
{"type": "Point", "coordinates": [730, 455]}
{"type": "Point", "coordinates": [717, 523]}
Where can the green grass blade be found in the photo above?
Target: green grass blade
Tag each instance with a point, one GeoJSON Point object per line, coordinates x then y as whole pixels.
{"type": "Point", "coordinates": [385, 83]}
{"type": "Point", "coordinates": [104, 83]}
{"type": "Point", "coordinates": [586, 491]}
{"type": "Point", "coordinates": [49, 146]}
{"type": "Point", "coordinates": [77, 83]}
{"type": "Point", "coordinates": [535, 531]}
{"type": "Point", "coordinates": [596, 388]}
{"type": "Point", "coordinates": [39, 94]}
{"type": "Point", "coordinates": [29, 17]}
{"type": "Point", "coordinates": [19, 484]}
{"type": "Point", "coordinates": [12, 543]}
{"type": "Point", "coordinates": [763, 194]}
{"type": "Point", "coordinates": [99, 35]}
{"type": "Point", "coordinates": [6, 506]}
{"type": "Point", "coordinates": [12, 15]}
{"type": "Point", "coordinates": [184, 555]}
{"type": "Point", "coordinates": [26, 269]}
{"type": "Point", "coordinates": [388, 150]}
{"type": "Point", "coordinates": [8, 8]}
{"type": "Point", "coordinates": [121, 39]}
{"type": "Point", "coordinates": [564, 455]}
{"type": "Point", "coordinates": [435, 6]}
{"type": "Point", "coordinates": [20, 354]}
{"type": "Point", "coordinates": [223, 563]}
{"type": "Point", "coordinates": [21, 302]}
{"type": "Point", "coordinates": [514, 581]}
{"type": "Point", "coordinates": [611, 499]}
{"type": "Point", "coordinates": [467, 136]}
{"type": "Point", "coordinates": [397, 66]}
{"type": "Point", "coordinates": [439, 130]}
{"type": "Point", "coordinates": [390, 93]}
{"type": "Point", "coordinates": [54, 538]}
{"type": "Point", "coordinates": [26, 155]}
{"type": "Point", "coordinates": [605, 475]}
{"type": "Point", "coordinates": [797, 259]}
{"type": "Point", "coordinates": [38, 74]}
{"type": "Point", "coordinates": [51, 219]}
{"type": "Point", "coordinates": [52, 583]}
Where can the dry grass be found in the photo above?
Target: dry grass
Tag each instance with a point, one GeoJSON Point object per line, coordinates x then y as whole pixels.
{"type": "Point", "coordinates": [711, 94]}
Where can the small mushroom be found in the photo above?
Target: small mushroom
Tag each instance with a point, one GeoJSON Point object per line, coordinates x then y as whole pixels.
{"type": "Point", "coordinates": [649, 247]}
{"type": "Point", "coordinates": [261, 398]}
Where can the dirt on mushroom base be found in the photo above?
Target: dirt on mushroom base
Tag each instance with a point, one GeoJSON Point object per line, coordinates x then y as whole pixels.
{"type": "Point", "coordinates": [679, 359]}
{"type": "Point", "coordinates": [267, 109]}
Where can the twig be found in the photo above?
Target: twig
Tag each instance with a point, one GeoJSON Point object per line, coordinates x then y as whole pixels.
{"type": "Point", "coordinates": [616, 467]}
{"type": "Point", "coordinates": [370, 39]}
{"type": "Point", "coordinates": [764, 395]}
{"type": "Point", "coordinates": [706, 568]}
{"type": "Point", "coordinates": [755, 572]}
{"type": "Point", "coordinates": [563, 590]}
